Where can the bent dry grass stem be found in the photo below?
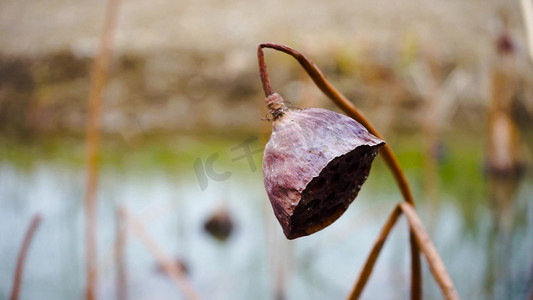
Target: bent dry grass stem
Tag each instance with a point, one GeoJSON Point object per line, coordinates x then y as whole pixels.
{"type": "Point", "coordinates": [21, 260]}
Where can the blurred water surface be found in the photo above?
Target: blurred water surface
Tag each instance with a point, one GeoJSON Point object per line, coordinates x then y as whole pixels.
{"type": "Point", "coordinates": [485, 240]}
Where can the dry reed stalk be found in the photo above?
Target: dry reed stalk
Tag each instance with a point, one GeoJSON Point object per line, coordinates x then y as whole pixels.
{"type": "Point", "coordinates": [374, 254]}
{"type": "Point", "coordinates": [120, 242]}
{"type": "Point", "coordinates": [108, 256]}
{"type": "Point", "coordinates": [98, 78]}
{"type": "Point", "coordinates": [527, 12]}
{"type": "Point", "coordinates": [424, 242]}
{"type": "Point", "coordinates": [504, 136]}
{"type": "Point", "coordinates": [17, 280]}
{"type": "Point", "coordinates": [386, 152]}
{"type": "Point", "coordinates": [166, 262]}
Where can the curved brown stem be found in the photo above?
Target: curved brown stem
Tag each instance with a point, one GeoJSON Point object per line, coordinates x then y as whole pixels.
{"type": "Point", "coordinates": [386, 152]}
{"type": "Point", "coordinates": [265, 80]}
{"type": "Point", "coordinates": [373, 256]}
{"type": "Point", "coordinates": [343, 103]}
{"type": "Point", "coordinates": [15, 291]}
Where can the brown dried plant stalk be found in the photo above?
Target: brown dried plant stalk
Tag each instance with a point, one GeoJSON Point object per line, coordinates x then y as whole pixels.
{"type": "Point", "coordinates": [374, 254]}
{"type": "Point", "coordinates": [120, 243]}
{"type": "Point", "coordinates": [391, 161]}
{"type": "Point", "coordinates": [175, 273]}
{"type": "Point", "coordinates": [17, 280]}
{"type": "Point", "coordinates": [98, 78]}
{"type": "Point", "coordinates": [424, 242]}
{"type": "Point", "coordinates": [527, 12]}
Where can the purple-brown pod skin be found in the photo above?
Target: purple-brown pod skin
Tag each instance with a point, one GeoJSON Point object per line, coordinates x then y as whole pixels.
{"type": "Point", "coordinates": [313, 167]}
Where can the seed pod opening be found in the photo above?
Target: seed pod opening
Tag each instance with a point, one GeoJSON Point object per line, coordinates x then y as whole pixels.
{"type": "Point", "coordinates": [314, 165]}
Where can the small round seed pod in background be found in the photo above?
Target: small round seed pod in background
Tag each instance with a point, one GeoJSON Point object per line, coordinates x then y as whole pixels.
{"type": "Point", "coordinates": [220, 225]}
{"type": "Point", "coordinates": [314, 165]}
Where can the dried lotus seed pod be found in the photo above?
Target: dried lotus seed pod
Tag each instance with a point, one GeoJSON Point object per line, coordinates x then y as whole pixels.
{"type": "Point", "coordinates": [314, 165]}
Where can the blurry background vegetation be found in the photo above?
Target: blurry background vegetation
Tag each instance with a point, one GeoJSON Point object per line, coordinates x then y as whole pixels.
{"type": "Point", "coordinates": [190, 66]}
{"type": "Point", "coordinates": [184, 85]}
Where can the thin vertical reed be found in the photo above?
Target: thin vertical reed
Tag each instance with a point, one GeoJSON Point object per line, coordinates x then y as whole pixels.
{"type": "Point", "coordinates": [527, 12]}
{"type": "Point", "coordinates": [120, 242]}
{"type": "Point", "coordinates": [98, 78]}
{"type": "Point", "coordinates": [99, 74]}
{"type": "Point", "coordinates": [17, 280]}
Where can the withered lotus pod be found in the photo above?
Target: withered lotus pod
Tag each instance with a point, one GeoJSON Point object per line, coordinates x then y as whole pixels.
{"type": "Point", "coordinates": [314, 165]}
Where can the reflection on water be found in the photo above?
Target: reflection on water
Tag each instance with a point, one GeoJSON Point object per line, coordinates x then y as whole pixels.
{"type": "Point", "coordinates": [483, 230]}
